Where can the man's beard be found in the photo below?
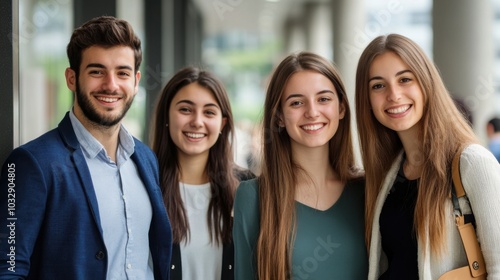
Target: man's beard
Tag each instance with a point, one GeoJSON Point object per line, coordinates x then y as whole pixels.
{"type": "Point", "coordinates": [93, 115]}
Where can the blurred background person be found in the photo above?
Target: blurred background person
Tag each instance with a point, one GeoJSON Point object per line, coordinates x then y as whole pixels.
{"type": "Point", "coordinates": [493, 132]}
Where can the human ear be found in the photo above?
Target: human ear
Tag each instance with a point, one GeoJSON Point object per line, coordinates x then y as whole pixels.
{"type": "Point", "coordinates": [341, 110]}
{"type": "Point", "coordinates": [279, 120]}
{"type": "Point", "coordinates": [223, 124]}
{"type": "Point", "coordinates": [137, 79]}
{"type": "Point", "coordinates": [70, 79]}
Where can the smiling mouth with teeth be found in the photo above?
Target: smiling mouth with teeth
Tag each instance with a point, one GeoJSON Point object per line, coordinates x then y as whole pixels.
{"type": "Point", "coordinates": [107, 99]}
{"type": "Point", "coordinates": [195, 135]}
{"type": "Point", "coordinates": [398, 110]}
{"type": "Point", "coordinates": [312, 127]}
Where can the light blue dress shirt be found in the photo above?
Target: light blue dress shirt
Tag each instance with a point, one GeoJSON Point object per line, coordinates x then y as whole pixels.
{"type": "Point", "coordinates": [124, 206]}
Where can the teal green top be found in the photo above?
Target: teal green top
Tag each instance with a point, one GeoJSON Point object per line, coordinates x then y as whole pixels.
{"type": "Point", "coordinates": [328, 244]}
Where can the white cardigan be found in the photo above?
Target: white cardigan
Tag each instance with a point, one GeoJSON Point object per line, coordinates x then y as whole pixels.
{"type": "Point", "coordinates": [480, 174]}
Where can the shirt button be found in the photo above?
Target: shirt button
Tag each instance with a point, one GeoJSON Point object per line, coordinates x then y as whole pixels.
{"type": "Point", "coordinates": [99, 255]}
{"type": "Point", "coordinates": [230, 267]}
{"type": "Point", "coordinates": [173, 266]}
{"type": "Point", "coordinates": [129, 266]}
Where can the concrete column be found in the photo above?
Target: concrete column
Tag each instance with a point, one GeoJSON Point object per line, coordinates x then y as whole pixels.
{"type": "Point", "coordinates": [295, 38]}
{"type": "Point", "coordinates": [463, 51]}
{"type": "Point", "coordinates": [194, 34]}
{"type": "Point", "coordinates": [318, 27]}
{"type": "Point", "coordinates": [349, 40]}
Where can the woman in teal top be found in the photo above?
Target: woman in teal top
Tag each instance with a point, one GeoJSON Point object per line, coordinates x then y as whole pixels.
{"type": "Point", "coordinates": [303, 218]}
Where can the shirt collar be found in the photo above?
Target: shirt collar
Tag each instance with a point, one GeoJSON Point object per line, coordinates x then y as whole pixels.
{"type": "Point", "coordinates": [91, 147]}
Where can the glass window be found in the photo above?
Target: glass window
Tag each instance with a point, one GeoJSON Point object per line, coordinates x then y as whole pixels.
{"type": "Point", "coordinates": [44, 30]}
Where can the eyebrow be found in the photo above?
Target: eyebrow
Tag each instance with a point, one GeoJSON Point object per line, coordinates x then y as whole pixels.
{"type": "Point", "coordinates": [300, 95]}
{"type": "Point", "coordinates": [99, 65]}
{"type": "Point", "coordinates": [192, 103]}
{"type": "Point", "coordinates": [397, 74]}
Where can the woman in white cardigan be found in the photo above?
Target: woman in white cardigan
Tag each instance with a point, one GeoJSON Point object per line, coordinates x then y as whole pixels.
{"type": "Point", "coordinates": [410, 130]}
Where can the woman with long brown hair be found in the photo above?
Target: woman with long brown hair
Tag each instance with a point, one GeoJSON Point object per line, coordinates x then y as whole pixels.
{"type": "Point", "coordinates": [410, 130]}
{"type": "Point", "coordinates": [192, 139]}
{"type": "Point", "coordinates": [303, 217]}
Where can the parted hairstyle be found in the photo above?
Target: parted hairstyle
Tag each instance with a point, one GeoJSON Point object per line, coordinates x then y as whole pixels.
{"type": "Point", "coordinates": [219, 166]}
{"type": "Point", "coordinates": [104, 31]}
{"type": "Point", "coordinates": [277, 182]}
{"type": "Point", "coordinates": [444, 130]}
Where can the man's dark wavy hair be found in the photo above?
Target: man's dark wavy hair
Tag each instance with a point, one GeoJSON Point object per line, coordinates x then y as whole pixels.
{"type": "Point", "coordinates": [104, 31]}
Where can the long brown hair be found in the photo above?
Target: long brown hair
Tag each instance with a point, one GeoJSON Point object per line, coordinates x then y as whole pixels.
{"type": "Point", "coordinates": [279, 172]}
{"type": "Point", "coordinates": [444, 129]}
{"type": "Point", "coordinates": [219, 165]}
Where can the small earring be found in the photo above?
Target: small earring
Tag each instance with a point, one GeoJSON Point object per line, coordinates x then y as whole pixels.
{"type": "Point", "coordinates": [220, 133]}
{"type": "Point", "coordinates": [166, 125]}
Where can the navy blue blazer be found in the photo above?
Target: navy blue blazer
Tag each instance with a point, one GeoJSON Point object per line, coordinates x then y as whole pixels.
{"type": "Point", "coordinates": [49, 217]}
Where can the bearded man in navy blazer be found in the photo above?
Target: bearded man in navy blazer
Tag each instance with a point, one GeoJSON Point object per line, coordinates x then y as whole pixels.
{"type": "Point", "coordinates": [83, 200]}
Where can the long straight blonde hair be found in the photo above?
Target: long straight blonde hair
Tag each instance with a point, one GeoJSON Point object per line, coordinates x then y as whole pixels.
{"type": "Point", "coordinates": [279, 172]}
{"type": "Point", "coordinates": [444, 130]}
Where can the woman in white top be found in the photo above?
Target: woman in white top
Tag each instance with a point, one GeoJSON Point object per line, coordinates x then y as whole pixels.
{"type": "Point", "coordinates": [192, 140]}
{"type": "Point", "coordinates": [410, 130]}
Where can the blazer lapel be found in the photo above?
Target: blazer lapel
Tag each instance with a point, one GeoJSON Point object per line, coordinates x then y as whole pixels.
{"type": "Point", "coordinates": [148, 177]}
{"type": "Point", "coordinates": [69, 138]}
